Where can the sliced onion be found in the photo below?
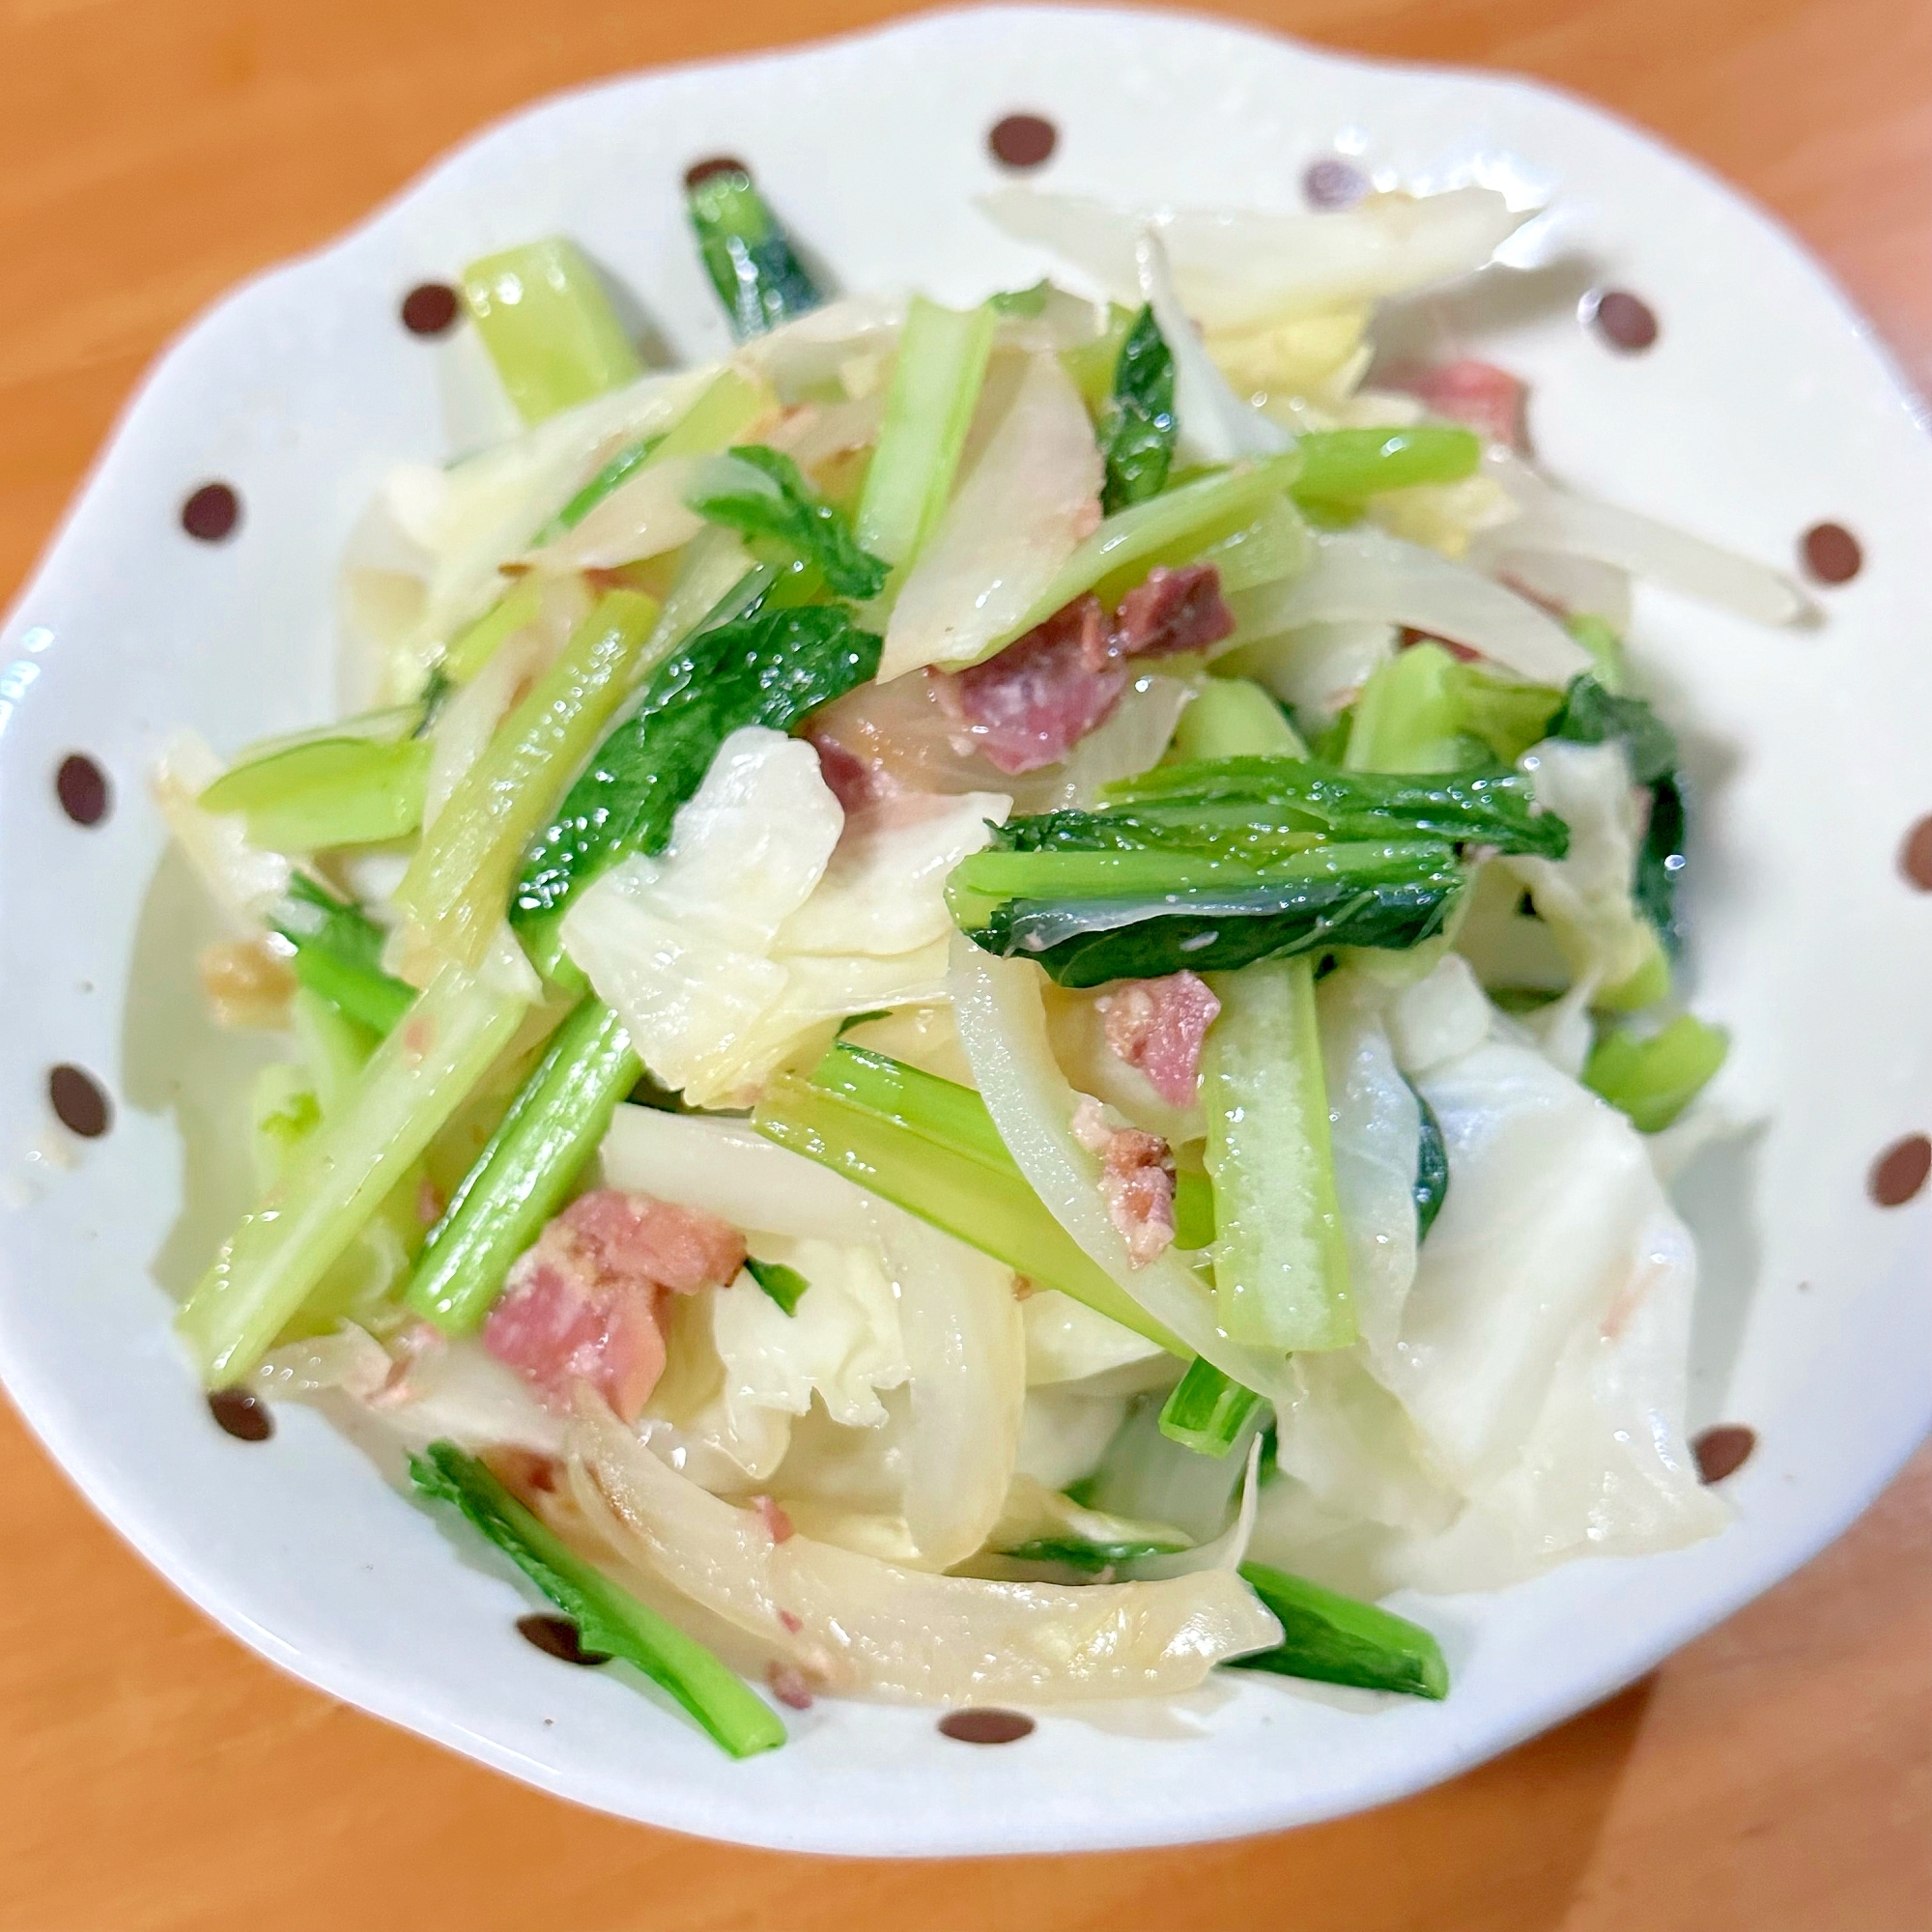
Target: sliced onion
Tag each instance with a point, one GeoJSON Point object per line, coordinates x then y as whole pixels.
{"type": "Point", "coordinates": [1577, 586]}
{"type": "Point", "coordinates": [643, 516]}
{"type": "Point", "coordinates": [1317, 669]}
{"type": "Point", "coordinates": [1228, 1551]}
{"type": "Point", "coordinates": [1020, 513]}
{"type": "Point", "coordinates": [1366, 574]}
{"type": "Point", "coordinates": [1001, 1025]}
{"type": "Point", "coordinates": [1239, 270]}
{"type": "Point", "coordinates": [853, 1624]}
{"type": "Point", "coordinates": [1556, 520]}
{"type": "Point", "coordinates": [822, 345]}
{"type": "Point", "coordinates": [966, 1348]}
{"type": "Point", "coordinates": [245, 883]}
{"type": "Point", "coordinates": [1216, 426]}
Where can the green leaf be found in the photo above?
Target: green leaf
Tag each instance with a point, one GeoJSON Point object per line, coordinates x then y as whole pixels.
{"type": "Point", "coordinates": [784, 1284]}
{"type": "Point", "coordinates": [1337, 1639]}
{"type": "Point", "coordinates": [771, 667]}
{"type": "Point", "coordinates": [761, 493]}
{"type": "Point", "coordinates": [608, 1619]}
{"type": "Point", "coordinates": [1432, 1167]}
{"type": "Point", "coordinates": [1138, 428]}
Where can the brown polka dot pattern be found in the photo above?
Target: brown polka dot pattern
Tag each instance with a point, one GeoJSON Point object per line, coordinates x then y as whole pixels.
{"type": "Point", "coordinates": [1914, 856]}
{"type": "Point", "coordinates": [79, 1103]}
{"type": "Point", "coordinates": [1724, 1451]}
{"type": "Point", "coordinates": [1332, 183]}
{"type": "Point", "coordinates": [245, 1415]}
{"type": "Point", "coordinates": [986, 1728]}
{"type": "Point", "coordinates": [1832, 554]}
{"type": "Point", "coordinates": [717, 164]}
{"type": "Point", "coordinates": [429, 308]}
{"type": "Point", "coordinates": [558, 1638]}
{"type": "Point", "coordinates": [212, 513]}
{"type": "Point", "coordinates": [1023, 140]}
{"type": "Point", "coordinates": [1623, 319]}
{"type": "Point", "coordinates": [1900, 1172]}
{"type": "Point", "coordinates": [81, 786]}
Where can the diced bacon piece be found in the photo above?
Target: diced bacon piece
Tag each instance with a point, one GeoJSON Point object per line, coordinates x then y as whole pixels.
{"type": "Point", "coordinates": [1174, 611]}
{"type": "Point", "coordinates": [585, 1303]}
{"type": "Point", "coordinates": [1158, 1025]}
{"type": "Point", "coordinates": [788, 1686]}
{"type": "Point", "coordinates": [636, 1237]}
{"type": "Point", "coordinates": [1488, 399]}
{"type": "Point", "coordinates": [792, 1621]}
{"type": "Point", "coordinates": [854, 782]}
{"type": "Point", "coordinates": [1029, 705]}
{"type": "Point", "coordinates": [771, 1512]}
{"type": "Point", "coordinates": [1136, 1180]}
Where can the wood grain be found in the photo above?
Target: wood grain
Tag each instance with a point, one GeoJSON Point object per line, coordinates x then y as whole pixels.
{"type": "Point", "coordinates": [1775, 1776]}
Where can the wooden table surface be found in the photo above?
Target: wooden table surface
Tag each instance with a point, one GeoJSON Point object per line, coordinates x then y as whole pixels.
{"type": "Point", "coordinates": [1776, 1776]}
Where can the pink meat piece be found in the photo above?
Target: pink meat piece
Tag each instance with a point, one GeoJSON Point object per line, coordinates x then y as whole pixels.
{"type": "Point", "coordinates": [1488, 399]}
{"type": "Point", "coordinates": [1033, 702]}
{"type": "Point", "coordinates": [851, 780]}
{"type": "Point", "coordinates": [585, 1303]}
{"type": "Point", "coordinates": [1158, 1025]}
{"type": "Point", "coordinates": [1029, 705]}
{"type": "Point", "coordinates": [1174, 611]}
{"type": "Point", "coordinates": [1136, 1180]}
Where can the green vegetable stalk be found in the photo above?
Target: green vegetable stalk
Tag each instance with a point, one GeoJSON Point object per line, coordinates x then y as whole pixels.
{"type": "Point", "coordinates": [549, 326]}
{"type": "Point", "coordinates": [338, 953]}
{"type": "Point", "coordinates": [747, 256]}
{"type": "Point", "coordinates": [608, 1619]}
{"type": "Point", "coordinates": [1342, 469]}
{"type": "Point", "coordinates": [1206, 1410]}
{"type": "Point", "coordinates": [1281, 1261]}
{"type": "Point", "coordinates": [1654, 1077]}
{"type": "Point", "coordinates": [415, 1081]}
{"type": "Point", "coordinates": [935, 387]}
{"type": "Point", "coordinates": [327, 792]}
{"type": "Point", "coordinates": [914, 1156]}
{"type": "Point", "coordinates": [529, 1164]}
{"type": "Point", "coordinates": [1337, 1639]}
{"type": "Point", "coordinates": [1233, 718]}
{"type": "Point", "coordinates": [459, 881]}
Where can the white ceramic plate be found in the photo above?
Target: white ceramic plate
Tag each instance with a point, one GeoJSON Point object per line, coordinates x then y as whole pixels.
{"type": "Point", "coordinates": [1764, 408]}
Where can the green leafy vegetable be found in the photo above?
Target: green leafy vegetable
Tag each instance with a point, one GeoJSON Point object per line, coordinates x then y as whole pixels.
{"type": "Point", "coordinates": [459, 879]}
{"type": "Point", "coordinates": [747, 256]}
{"type": "Point", "coordinates": [1091, 917]}
{"type": "Point", "coordinates": [1337, 1639]}
{"type": "Point", "coordinates": [1507, 716]}
{"type": "Point", "coordinates": [924, 1153]}
{"type": "Point", "coordinates": [1408, 720]}
{"type": "Point", "coordinates": [548, 324]}
{"type": "Point", "coordinates": [417, 1078]}
{"type": "Point", "coordinates": [1075, 1552]}
{"type": "Point", "coordinates": [770, 668]}
{"type": "Point", "coordinates": [525, 1170]}
{"type": "Point", "coordinates": [1592, 715]}
{"type": "Point", "coordinates": [326, 793]}
{"type": "Point", "coordinates": [760, 493]}
{"type": "Point", "coordinates": [474, 646]}
{"type": "Point", "coordinates": [1342, 469]}
{"type": "Point", "coordinates": [1091, 365]}
{"type": "Point", "coordinates": [338, 951]}
{"type": "Point", "coordinates": [1281, 1261]}
{"type": "Point", "coordinates": [1654, 1077]}
{"type": "Point", "coordinates": [1138, 427]}
{"type": "Point", "coordinates": [1432, 1168]}
{"type": "Point", "coordinates": [784, 1284]}
{"type": "Point", "coordinates": [1206, 1410]}
{"type": "Point", "coordinates": [937, 377]}
{"type": "Point", "coordinates": [1222, 799]}
{"type": "Point", "coordinates": [608, 1619]}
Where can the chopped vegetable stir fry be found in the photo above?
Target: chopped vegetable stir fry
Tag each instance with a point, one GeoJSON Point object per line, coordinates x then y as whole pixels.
{"type": "Point", "coordinates": [980, 1003]}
